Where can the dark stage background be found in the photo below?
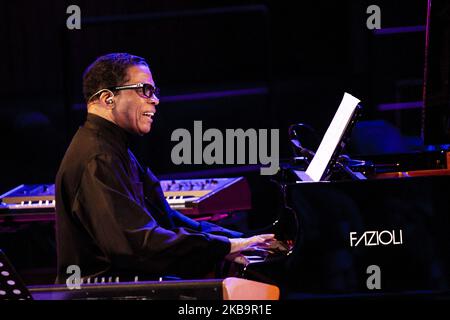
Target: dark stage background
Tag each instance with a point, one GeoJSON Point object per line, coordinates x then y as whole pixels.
{"type": "Point", "coordinates": [231, 64]}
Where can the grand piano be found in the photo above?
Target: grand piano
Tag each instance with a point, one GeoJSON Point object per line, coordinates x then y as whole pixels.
{"type": "Point", "coordinates": [384, 235]}
{"type": "Point", "coordinates": [352, 230]}
{"type": "Point", "coordinates": [356, 237]}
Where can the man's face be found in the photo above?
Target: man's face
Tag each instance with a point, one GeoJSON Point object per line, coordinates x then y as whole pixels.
{"type": "Point", "coordinates": [132, 109]}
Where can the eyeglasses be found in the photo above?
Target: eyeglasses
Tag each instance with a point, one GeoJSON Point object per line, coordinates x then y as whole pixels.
{"type": "Point", "coordinates": [146, 89]}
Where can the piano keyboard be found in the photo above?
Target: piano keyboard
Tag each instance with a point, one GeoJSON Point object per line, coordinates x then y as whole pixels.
{"type": "Point", "coordinates": [23, 205]}
{"type": "Point", "coordinates": [179, 202]}
{"type": "Point", "coordinates": [230, 288]}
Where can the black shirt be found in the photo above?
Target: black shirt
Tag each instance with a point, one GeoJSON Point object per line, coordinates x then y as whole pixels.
{"type": "Point", "coordinates": [113, 219]}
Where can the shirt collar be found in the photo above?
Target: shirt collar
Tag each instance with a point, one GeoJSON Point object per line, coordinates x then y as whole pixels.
{"type": "Point", "coordinates": [107, 129]}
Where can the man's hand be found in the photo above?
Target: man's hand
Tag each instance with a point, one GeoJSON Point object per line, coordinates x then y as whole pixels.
{"type": "Point", "coordinates": [258, 241]}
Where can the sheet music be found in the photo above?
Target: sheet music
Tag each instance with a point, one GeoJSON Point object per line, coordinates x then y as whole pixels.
{"type": "Point", "coordinates": [332, 137]}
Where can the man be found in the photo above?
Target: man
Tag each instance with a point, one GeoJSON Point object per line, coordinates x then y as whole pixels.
{"type": "Point", "coordinates": [112, 217]}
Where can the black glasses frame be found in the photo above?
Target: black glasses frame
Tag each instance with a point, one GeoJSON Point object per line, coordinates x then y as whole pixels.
{"type": "Point", "coordinates": [146, 87]}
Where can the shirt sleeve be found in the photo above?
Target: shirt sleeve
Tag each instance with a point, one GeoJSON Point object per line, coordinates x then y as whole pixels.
{"type": "Point", "coordinates": [203, 226]}
{"type": "Point", "coordinates": [108, 207]}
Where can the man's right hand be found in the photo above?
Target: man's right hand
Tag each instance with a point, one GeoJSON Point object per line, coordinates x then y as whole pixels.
{"type": "Point", "coordinates": [258, 241]}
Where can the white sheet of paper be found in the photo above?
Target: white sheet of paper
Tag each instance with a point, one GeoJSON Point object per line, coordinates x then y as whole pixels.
{"type": "Point", "coordinates": [332, 137]}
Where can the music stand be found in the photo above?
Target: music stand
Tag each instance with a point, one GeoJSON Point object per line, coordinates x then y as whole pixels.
{"type": "Point", "coordinates": [11, 285]}
{"type": "Point", "coordinates": [326, 158]}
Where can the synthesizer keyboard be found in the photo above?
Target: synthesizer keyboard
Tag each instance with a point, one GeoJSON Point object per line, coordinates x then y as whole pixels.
{"type": "Point", "coordinates": [195, 197]}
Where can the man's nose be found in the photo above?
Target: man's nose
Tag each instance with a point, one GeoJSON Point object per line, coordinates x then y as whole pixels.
{"type": "Point", "coordinates": [154, 100]}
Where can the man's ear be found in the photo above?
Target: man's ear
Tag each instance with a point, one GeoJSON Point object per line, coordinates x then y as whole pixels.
{"type": "Point", "coordinates": [107, 99]}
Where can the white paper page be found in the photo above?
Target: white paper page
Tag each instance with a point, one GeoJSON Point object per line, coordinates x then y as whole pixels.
{"type": "Point", "coordinates": [332, 137]}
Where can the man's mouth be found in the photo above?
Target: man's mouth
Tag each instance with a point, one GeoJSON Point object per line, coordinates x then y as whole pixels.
{"type": "Point", "coordinates": [148, 114]}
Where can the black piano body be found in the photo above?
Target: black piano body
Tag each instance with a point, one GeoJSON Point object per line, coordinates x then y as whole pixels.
{"type": "Point", "coordinates": [367, 236]}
